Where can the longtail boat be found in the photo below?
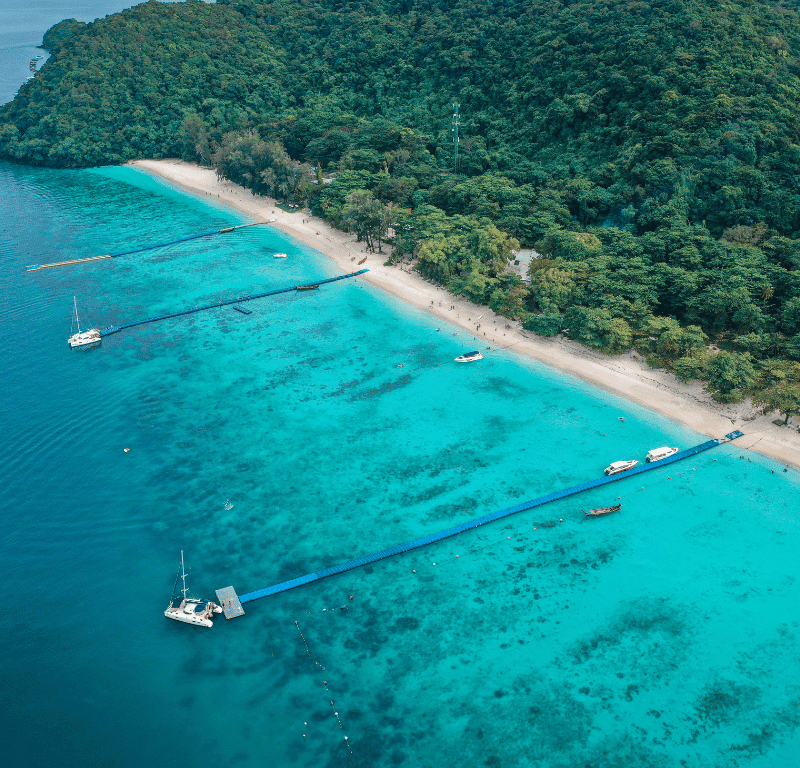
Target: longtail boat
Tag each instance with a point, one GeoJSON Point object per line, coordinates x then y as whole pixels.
{"type": "Point", "coordinates": [603, 511]}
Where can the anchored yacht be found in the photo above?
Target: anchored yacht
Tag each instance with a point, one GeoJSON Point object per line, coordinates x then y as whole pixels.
{"type": "Point", "coordinates": [191, 610]}
{"type": "Point", "coordinates": [83, 338]}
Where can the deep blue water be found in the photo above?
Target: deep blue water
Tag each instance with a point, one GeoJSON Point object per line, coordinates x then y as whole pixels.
{"type": "Point", "coordinates": [324, 426]}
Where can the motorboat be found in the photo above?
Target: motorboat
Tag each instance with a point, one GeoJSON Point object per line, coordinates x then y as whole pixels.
{"type": "Point", "coordinates": [661, 453]}
{"type": "Point", "coordinates": [83, 338]}
{"type": "Point", "coordinates": [469, 357]}
{"type": "Point", "coordinates": [620, 466]}
{"type": "Point", "coordinates": [603, 511]}
{"type": "Point", "coordinates": [280, 255]}
{"type": "Point", "coordinates": [191, 610]}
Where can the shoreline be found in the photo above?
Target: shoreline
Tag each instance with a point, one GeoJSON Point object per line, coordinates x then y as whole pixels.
{"type": "Point", "coordinates": [626, 375]}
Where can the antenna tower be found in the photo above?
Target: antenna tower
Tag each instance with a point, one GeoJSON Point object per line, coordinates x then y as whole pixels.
{"type": "Point", "coordinates": [455, 123]}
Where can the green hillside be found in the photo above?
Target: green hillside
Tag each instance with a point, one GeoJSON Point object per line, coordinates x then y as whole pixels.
{"type": "Point", "coordinates": [649, 150]}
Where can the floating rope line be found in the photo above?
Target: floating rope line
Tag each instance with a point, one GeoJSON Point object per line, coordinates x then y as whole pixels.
{"type": "Point", "coordinates": [325, 682]}
{"type": "Point", "coordinates": [339, 720]}
{"type": "Point", "coordinates": [752, 445]}
{"type": "Point", "coordinates": [226, 230]}
{"type": "Point", "coordinates": [308, 650]}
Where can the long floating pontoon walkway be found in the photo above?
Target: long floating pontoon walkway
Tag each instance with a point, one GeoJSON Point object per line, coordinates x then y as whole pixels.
{"type": "Point", "coordinates": [117, 328]}
{"type": "Point", "coordinates": [36, 267]}
{"type": "Point", "coordinates": [456, 529]}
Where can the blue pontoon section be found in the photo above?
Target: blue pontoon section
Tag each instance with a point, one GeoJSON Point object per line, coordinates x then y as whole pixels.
{"type": "Point", "coordinates": [490, 518]}
{"type": "Point", "coordinates": [117, 328]}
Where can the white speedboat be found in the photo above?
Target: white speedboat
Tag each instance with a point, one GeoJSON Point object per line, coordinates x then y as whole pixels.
{"type": "Point", "coordinates": [280, 255]}
{"type": "Point", "coordinates": [83, 338]}
{"type": "Point", "coordinates": [469, 357]}
{"type": "Point", "coordinates": [660, 453]}
{"type": "Point", "coordinates": [619, 466]}
{"type": "Point", "coordinates": [191, 610]}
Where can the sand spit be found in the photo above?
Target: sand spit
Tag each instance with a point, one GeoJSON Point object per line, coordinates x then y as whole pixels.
{"type": "Point", "coordinates": [627, 375]}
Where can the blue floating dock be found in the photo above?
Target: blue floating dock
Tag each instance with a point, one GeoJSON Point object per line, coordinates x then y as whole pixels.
{"type": "Point", "coordinates": [490, 518]}
{"type": "Point", "coordinates": [117, 328]}
{"type": "Point", "coordinates": [243, 310]}
{"type": "Point", "coordinates": [230, 603]}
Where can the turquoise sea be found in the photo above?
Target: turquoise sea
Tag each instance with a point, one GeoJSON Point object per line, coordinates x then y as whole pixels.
{"type": "Point", "coordinates": [321, 427]}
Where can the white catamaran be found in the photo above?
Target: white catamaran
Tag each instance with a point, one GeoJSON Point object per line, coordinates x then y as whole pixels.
{"type": "Point", "coordinates": [187, 611]}
{"type": "Point", "coordinates": [82, 339]}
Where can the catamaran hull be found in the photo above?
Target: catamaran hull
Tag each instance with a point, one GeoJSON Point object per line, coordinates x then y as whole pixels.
{"type": "Point", "coordinates": [187, 614]}
{"type": "Point", "coordinates": [84, 339]}
{"type": "Point", "coordinates": [196, 620]}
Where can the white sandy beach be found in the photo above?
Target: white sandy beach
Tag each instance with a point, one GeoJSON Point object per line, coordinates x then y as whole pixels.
{"type": "Point", "coordinates": [626, 375]}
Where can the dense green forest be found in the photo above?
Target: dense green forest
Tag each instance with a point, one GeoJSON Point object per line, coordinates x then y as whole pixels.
{"type": "Point", "coordinates": [648, 149]}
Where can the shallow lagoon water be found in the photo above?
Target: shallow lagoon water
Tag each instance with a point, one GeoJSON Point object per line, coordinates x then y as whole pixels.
{"type": "Point", "coordinates": [324, 426]}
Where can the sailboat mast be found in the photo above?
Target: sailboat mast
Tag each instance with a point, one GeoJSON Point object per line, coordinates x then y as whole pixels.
{"type": "Point", "coordinates": [183, 572]}
{"type": "Point", "coordinates": [77, 319]}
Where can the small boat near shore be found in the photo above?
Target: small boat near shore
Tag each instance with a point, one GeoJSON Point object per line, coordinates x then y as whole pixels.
{"type": "Point", "coordinates": [600, 511]}
{"type": "Point", "coordinates": [280, 255]}
{"type": "Point", "coordinates": [619, 466]}
{"type": "Point", "coordinates": [191, 610]}
{"type": "Point", "coordinates": [661, 453]}
{"type": "Point", "coordinates": [469, 357]}
{"type": "Point", "coordinates": [83, 338]}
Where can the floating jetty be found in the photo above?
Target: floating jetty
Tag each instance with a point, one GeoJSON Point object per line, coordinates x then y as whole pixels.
{"type": "Point", "coordinates": [230, 600]}
{"type": "Point", "coordinates": [225, 231]}
{"type": "Point", "coordinates": [117, 328]}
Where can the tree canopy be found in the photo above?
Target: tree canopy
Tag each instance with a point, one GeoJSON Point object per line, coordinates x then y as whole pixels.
{"type": "Point", "coordinates": [648, 150]}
